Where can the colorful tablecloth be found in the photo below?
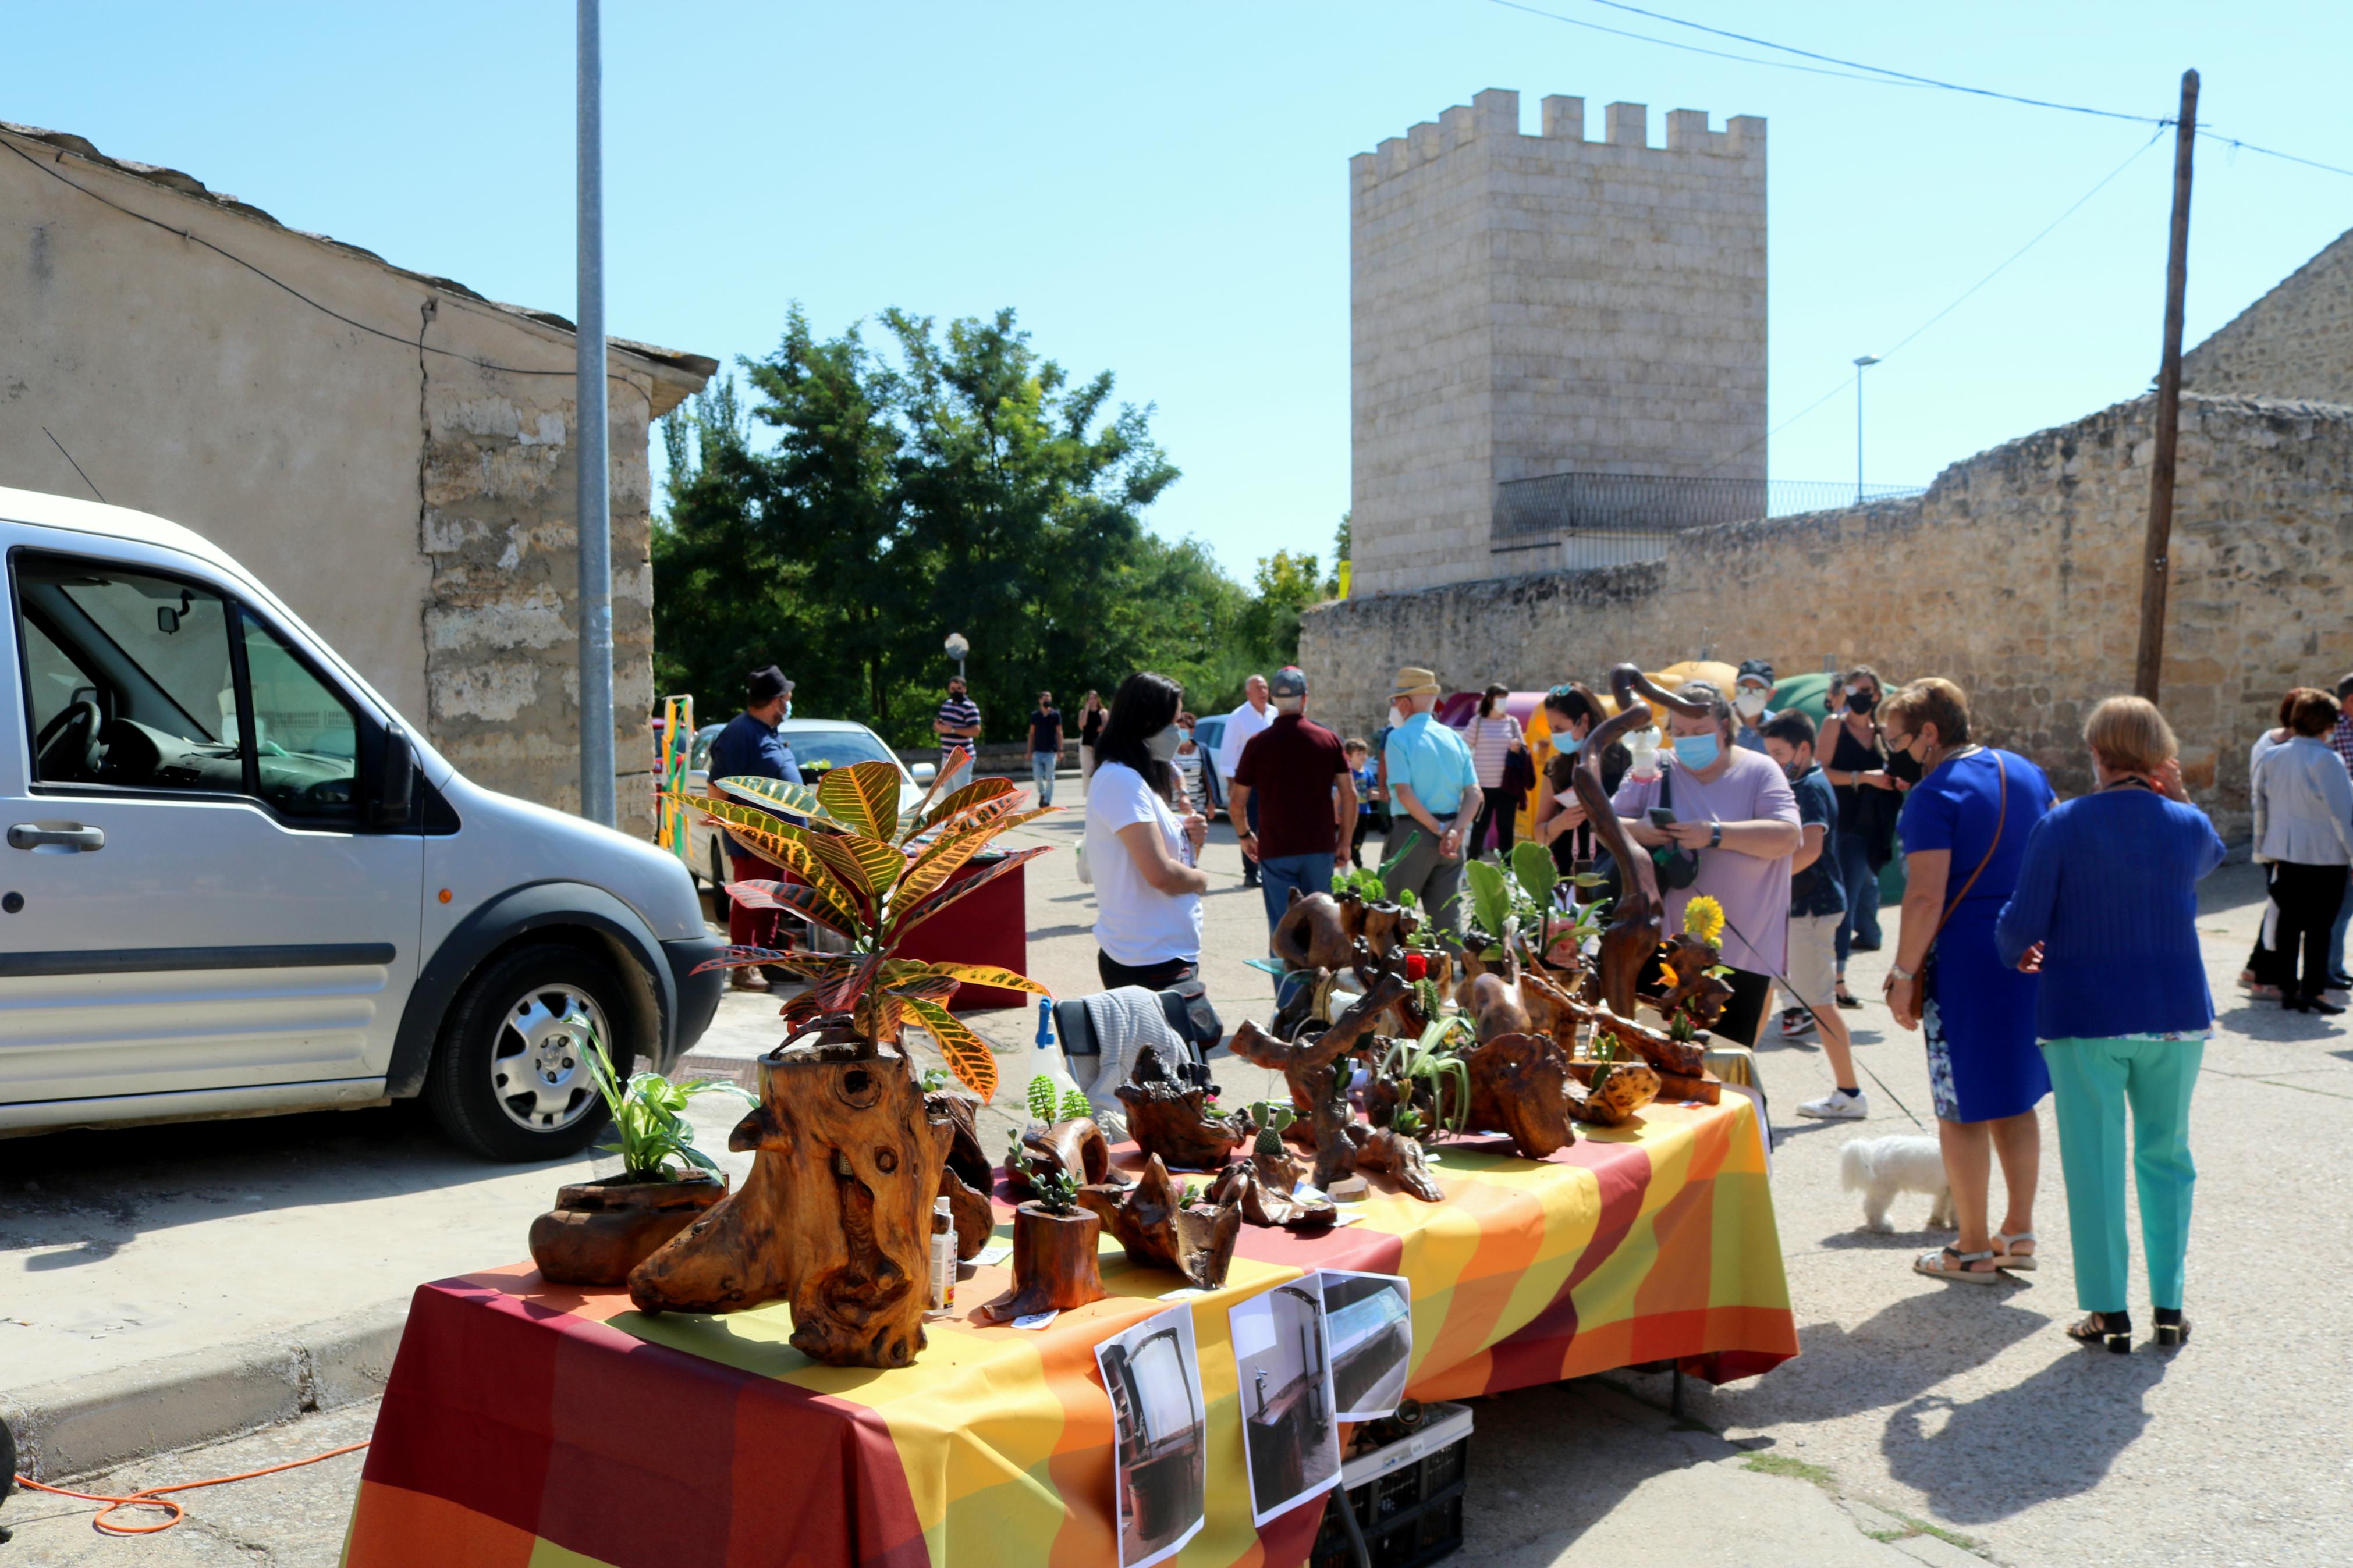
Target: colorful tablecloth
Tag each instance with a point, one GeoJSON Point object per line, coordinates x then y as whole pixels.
{"type": "Point", "coordinates": [529, 1426]}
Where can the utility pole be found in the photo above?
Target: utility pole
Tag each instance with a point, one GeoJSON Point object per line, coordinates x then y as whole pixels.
{"type": "Point", "coordinates": [2155, 566]}
{"type": "Point", "coordinates": [1861, 363]}
{"type": "Point", "coordinates": [594, 530]}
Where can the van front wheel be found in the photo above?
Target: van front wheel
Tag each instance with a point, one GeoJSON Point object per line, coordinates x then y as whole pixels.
{"type": "Point", "coordinates": [510, 1077]}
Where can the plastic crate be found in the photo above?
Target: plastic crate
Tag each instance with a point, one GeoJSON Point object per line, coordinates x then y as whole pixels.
{"type": "Point", "coordinates": [1408, 1495]}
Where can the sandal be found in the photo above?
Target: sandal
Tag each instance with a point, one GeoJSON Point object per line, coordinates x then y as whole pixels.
{"type": "Point", "coordinates": [2172, 1328]}
{"type": "Point", "coordinates": [2004, 1257]}
{"type": "Point", "coordinates": [1963, 1270]}
{"type": "Point", "coordinates": [2110, 1329]}
{"type": "Point", "coordinates": [1844, 997]}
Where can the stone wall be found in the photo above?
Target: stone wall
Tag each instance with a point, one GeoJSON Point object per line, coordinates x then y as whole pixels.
{"type": "Point", "coordinates": [2017, 575]}
{"type": "Point", "coordinates": [1527, 305]}
{"type": "Point", "coordinates": [2295, 341]}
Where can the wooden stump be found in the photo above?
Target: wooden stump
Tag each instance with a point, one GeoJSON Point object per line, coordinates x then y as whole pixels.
{"type": "Point", "coordinates": [1053, 1265]}
{"type": "Point", "coordinates": [1518, 1086]}
{"type": "Point", "coordinates": [1158, 1232]}
{"type": "Point", "coordinates": [598, 1231]}
{"type": "Point", "coordinates": [837, 1215]}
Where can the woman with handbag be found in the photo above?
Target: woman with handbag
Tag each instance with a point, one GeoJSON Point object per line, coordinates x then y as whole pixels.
{"type": "Point", "coordinates": [1965, 827]}
{"type": "Point", "coordinates": [1500, 752]}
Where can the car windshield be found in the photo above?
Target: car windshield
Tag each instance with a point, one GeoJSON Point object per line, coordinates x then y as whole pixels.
{"type": "Point", "coordinates": [818, 750]}
{"type": "Point", "coordinates": [698, 758]}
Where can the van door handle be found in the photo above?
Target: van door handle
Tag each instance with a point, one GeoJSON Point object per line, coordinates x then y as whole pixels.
{"type": "Point", "coordinates": [33, 836]}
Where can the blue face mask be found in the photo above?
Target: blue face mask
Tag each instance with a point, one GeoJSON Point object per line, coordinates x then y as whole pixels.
{"type": "Point", "coordinates": [1568, 745]}
{"type": "Point", "coordinates": [1697, 753]}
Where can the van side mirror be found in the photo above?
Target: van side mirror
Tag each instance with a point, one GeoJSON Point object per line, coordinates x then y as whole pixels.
{"type": "Point", "coordinates": [396, 784]}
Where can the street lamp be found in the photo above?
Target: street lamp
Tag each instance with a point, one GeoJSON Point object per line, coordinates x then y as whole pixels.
{"type": "Point", "coordinates": [1862, 363]}
{"type": "Point", "coordinates": [957, 648]}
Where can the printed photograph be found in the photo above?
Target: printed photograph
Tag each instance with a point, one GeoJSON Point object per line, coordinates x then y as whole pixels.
{"type": "Point", "coordinates": [1290, 1426]}
{"type": "Point", "coordinates": [1368, 1319]}
{"type": "Point", "coordinates": [1153, 1375]}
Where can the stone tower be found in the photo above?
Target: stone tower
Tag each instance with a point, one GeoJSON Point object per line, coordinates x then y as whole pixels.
{"type": "Point", "coordinates": [1530, 305]}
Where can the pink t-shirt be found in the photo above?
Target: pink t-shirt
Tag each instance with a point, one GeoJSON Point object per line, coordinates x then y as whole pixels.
{"type": "Point", "coordinates": [1755, 893]}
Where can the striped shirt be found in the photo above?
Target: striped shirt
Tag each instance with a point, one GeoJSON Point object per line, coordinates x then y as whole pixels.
{"type": "Point", "coordinates": [962, 713]}
{"type": "Point", "coordinates": [1490, 739]}
{"type": "Point", "coordinates": [2341, 737]}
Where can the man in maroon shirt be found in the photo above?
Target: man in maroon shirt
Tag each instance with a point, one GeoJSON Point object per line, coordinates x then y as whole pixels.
{"type": "Point", "coordinates": [1298, 775]}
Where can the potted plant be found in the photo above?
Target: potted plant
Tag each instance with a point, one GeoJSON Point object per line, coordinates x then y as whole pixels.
{"type": "Point", "coordinates": [1053, 1250]}
{"type": "Point", "coordinates": [836, 1214]}
{"type": "Point", "coordinates": [600, 1230]}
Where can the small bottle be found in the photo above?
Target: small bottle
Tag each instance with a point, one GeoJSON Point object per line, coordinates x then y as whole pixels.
{"type": "Point", "coordinates": [944, 1258]}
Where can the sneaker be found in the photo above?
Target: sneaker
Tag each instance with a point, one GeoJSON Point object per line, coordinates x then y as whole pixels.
{"type": "Point", "coordinates": [1838, 1106]}
{"type": "Point", "coordinates": [1796, 1022]}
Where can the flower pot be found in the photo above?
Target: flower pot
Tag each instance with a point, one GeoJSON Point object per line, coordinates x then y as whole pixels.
{"type": "Point", "coordinates": [598, 1231]}
{"type": "Point", "coordinates": [1053, 1263]}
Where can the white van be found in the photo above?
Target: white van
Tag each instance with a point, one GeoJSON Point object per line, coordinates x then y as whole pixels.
{"type": "Point", "coordinates": [236, 882]}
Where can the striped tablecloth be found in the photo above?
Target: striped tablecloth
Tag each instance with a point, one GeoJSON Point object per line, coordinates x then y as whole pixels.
{"type": "Point", "coordinates": [528, 1426]}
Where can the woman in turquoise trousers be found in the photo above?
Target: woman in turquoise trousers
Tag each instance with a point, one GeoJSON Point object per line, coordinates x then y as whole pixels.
{"type": "Point", "coordinates": [2105, 910]}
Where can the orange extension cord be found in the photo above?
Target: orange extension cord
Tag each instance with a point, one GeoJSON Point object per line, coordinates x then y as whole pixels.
{"type": "Point", "coordinates": [153, 1497]}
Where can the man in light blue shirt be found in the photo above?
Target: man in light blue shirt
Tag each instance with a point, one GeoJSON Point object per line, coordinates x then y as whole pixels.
{"type": "Point", "coordinates": [1431, 774]}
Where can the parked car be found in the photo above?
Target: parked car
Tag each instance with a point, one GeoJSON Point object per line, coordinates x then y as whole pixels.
{"type": "Point", "coordinates": [818, 745]}
{"type": "Point", "coordinates": [1206, 733]}
{"type": "Point", "coordinates": [242, 883]}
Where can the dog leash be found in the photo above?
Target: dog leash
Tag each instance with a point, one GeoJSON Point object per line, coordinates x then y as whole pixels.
{"type": "Point", "coordinates": [1857, 1060]}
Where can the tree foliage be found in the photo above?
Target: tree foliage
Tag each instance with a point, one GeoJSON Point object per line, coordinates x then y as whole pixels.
{"type": "Point", "coordinates": [868, 502]}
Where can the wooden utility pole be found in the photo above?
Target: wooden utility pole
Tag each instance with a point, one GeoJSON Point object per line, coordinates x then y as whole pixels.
{"type": "Point", "coordinates": [2150, 662]}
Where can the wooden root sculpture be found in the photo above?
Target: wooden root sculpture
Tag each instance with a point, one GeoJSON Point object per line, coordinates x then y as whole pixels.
{"type": "Point", "coordinates": [1399, 1159]}
{"type": "Point", "coordinates": [1172, 1120]}
{"type": "Point", "coordinates": [975, 1218]}
{"type": "Point", "coordinates": [1308, 1066]}
{"type": "Point", "coordinates": [1075, 1148]}
{"type": "Point", "coordinates": [835, 1216]}
{"type": "Point", "coordinates": [1053, 1265]}
{"type": "Point", "coordinates": [1261, 1202]}
{"type": "Point", "coordinates": [1695, 990]}
{"type": "Point", "coordinates": [1159, 1232]}
{"type": "Point", "coordinates": [966, 1158]}
{"type": "Point", "coordinates": [1519, 1084]}
{"type": "Point", "coordinates": [1492, 997]}
{"type": "Point", "coordinates": [1632, 934]}
{"type": "Point", "coordinates": [1319, 930]}
{"type": "Point", "coordinates": [1661, 1050]}
{"type": "Point", "coordinates": [1608, 1094]}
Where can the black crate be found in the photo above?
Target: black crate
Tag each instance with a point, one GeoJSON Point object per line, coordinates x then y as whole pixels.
{"type": "Point", "coordinates": [1411, 1514]}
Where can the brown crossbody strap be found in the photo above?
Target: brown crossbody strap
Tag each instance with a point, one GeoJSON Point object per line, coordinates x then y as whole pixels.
{"type": "Point", "coordinates": [2001, 815]}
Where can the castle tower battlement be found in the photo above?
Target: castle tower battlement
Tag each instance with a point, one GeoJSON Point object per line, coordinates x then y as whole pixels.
{"type": "Point", "coordinates": [1528, 305]}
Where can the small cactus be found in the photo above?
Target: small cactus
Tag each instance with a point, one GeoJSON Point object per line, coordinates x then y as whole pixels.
{"type": "Point", "coordinates": [1054, 1192]}
{"type": "Point", "coordinates": [1269, 1145]}
{"type": "Point", "coordinates": [1041, 1099]}
{"type": "Point", "coordinates": [1074, 1105]}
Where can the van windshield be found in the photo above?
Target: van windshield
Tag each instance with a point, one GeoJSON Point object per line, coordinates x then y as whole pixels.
{"type": "Point", "coordinates": [818, 749]}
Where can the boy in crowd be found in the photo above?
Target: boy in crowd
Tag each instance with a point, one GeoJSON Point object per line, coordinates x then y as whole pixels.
{"type": "Point", "coordinates": [1360, 771]}
{"type": "Point", "coordinates": [1816, 902]}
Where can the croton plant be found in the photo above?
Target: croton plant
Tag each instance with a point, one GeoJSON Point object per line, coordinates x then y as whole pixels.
{"type": "Point", "coordinates": [871, 873]}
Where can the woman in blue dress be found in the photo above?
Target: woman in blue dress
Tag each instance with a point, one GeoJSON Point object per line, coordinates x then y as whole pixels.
{"type": "Point", "coordinates": [1964, 831]}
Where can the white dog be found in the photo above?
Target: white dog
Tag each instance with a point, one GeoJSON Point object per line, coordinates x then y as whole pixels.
{"type": "Point", "coordinates": [1879, 1168]}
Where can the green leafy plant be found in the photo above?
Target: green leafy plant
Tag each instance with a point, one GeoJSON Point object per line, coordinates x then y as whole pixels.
{"type": "Point", "coordinates": [1605, 1046]}
{"type": "Point", "coordinates": [1041, 1099]}
{"type": "Point", "coordinates": [1053, 1191]}
{"type": "Point", "coordinates": [650, 1128]}
{"type": "Point", "coordinates": [1074, 1105]}
{"type": "Point", "coordinates": [1406, 1121]}
{"type": "Point", "coordinates": [1361, 881]}
{"type": "Point", "coordinates": [871, 873]}
{"type": "Point", "coordinates": [933, 1079]}
{"type": "Point", "coordinates": [1431, 1066]}
{"type": "Point", "coordinates": [1189, 1195]}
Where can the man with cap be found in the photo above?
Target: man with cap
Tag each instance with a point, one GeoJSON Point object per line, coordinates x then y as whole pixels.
{"type": "Point", "coordinates": [752, 747]}
{"type": "Point", "coordinates": [1430, 773]}
{"type": "Point", "coordinates": [1750, 692]}
{"type": "Point", "coordinates": [1291, 786]}
{"type": "Point", "coordinates": [1242, 726]}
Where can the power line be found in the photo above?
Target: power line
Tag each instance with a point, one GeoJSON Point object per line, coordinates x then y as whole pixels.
{"type": "Point", "coordinates": [1958, 300]}
{"type": "Point", "coordinates": [2237, 145]}
{"type": "Point", "coordinates": [1689, 48]}
{"type": "Point", "coordinates": [195, 238]}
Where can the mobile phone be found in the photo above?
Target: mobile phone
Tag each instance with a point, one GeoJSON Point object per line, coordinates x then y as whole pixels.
{"type": "Point", "coordinates": [1662, 816]}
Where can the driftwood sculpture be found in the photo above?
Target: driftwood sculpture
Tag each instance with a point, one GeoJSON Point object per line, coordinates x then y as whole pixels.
{"type": "Point", "coordinates": [976, 1220]}
{"type": "Point", "coordinates": [1702, 993]}
{"type": "Point", "coordinates": [835, 1216]}
{"type": "Point", "coordinates": [1519, 1084]}
{"type": "Point", "coordinates": [1398, 1158]}
{"type": "Point", "coordinates": [1608, 1094]}
{"type": "Point", "coordinates": [1632, 934]}
{"type": "Point", "coordinates": [1053, 1263]}
{"type": "Point", "coordinates": [1262, 1201]}
{"type": "Point", "coordinates": [1076, 1149]}
{"type": "Point", "coordinates": [1317, 1087]}
{"type": "Point", "coordinates": [1159, 1232]}
{"type": "Point", "coordinates": [1492, 997]}
{"type": "Point", "coordinates": [1172, 1120]}
{"type": "Point", "coordinates": [1319, 930]}
{"type": "Point", "coordinates": [966, 1157]}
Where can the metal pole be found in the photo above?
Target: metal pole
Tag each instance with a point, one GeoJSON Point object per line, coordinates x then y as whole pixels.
{"type": "Point", "coordinates": [1861, 363]}
{"type": "Point", "coordinates": [596, 524]}
{"type": "Point", "coordinates": [2149, 662]}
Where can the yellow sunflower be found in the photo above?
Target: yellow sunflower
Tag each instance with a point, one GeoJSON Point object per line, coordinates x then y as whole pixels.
{"type": "Point", "coordinates": [1703, 918]}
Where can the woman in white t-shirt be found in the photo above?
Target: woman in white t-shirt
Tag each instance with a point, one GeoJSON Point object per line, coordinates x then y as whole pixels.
{"type": "Point", "coordinates": [1144, 843]}
{"type": "Point", "coordinates": [1495, 735]}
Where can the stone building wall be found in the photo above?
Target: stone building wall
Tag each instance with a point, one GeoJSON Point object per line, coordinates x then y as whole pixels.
{"type": "Point", "coordinates": [1526, 305]}
{"type": "Point", "coordinates": [404, 483]}
{"type": "Point", "coordinates": [2017, 575]}
{"type": "Point", "coordinates": [2295, 341]}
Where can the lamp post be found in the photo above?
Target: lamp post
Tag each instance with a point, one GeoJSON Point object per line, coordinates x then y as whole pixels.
{"type": "Point", "coordinates": [1861, 363]}
{"type": "Point", "coordinates": [594, 529]}
{"type": "Point", "coordinates": [957, 648]}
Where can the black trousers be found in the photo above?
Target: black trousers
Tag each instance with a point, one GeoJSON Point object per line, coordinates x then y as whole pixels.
{"type": "Point", "coordinates": [1356, 840]}
{"type": "Point", "coordinates": [2308, 898]}
{"type": "Point", "coordinates": [1497, 806]}
{"type": "Point", "coordinates": [1151, 976]}
{"type": "Point", "coordinates": [1250, 867]}
{"type": "Point", "coordinates": [1746, 1011]}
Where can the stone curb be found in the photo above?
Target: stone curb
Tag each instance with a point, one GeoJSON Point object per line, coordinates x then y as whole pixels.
{"type": "Point", "coordinates": [81, 1426]}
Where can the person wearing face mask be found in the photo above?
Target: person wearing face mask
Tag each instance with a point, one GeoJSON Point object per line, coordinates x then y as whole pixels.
{"type": "Point", "coordinates": [1291, 785]}
{"type": "Point", "coordinates": [1816, 901]}
{"type": "Point", "coordinates": [1868, 800]}
{"type": "Point", "coordinates": [1429, 776]}
{"type": "Point", "coordinates": [752, 747]}
{"type": "Point", "coordinates": [1187, 763]}
{"type": "Point", "coordinates": [1735, 809]}
{"type": "Point", "coordinates": [1750, 693]}
{"type": "Point", "coordinates": [1572, 713]}
{"type": "Point", "coordinates": [1242, 726]}
{"type": "Point", "coordinates": [1965, 830]}
{"type": "Point", "coordinates": [1143, 845]}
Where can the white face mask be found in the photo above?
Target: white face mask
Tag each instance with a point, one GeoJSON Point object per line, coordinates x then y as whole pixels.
{"type": "Point", "coordinates": [1750, 703]}
{"type": "Point", "coordinates": [1398, 716]}
{"type": "Point", "coordinates": [1162, 743]}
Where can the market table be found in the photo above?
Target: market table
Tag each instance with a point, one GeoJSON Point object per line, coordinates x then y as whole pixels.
{"type": "Point", "coordinates": [537, 1426]}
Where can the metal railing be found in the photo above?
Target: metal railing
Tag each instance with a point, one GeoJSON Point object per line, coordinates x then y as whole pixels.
{"type": "Point", "coordinates": [1577, 521]}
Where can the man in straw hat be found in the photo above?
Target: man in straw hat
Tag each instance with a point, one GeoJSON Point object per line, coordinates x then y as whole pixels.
{"type": "Point", "coordinates": [1430, 774]}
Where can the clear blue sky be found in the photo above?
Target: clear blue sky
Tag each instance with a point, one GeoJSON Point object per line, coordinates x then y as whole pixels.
{"type": "Point", "coordinates": [1162, 189]}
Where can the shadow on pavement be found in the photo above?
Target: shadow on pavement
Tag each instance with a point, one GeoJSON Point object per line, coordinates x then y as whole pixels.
{"type": "Point", "coordinates": [1890, 1359]}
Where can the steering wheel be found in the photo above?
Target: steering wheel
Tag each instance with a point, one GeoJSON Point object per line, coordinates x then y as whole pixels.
{"type": "Point", "coordinates": [67, 747]}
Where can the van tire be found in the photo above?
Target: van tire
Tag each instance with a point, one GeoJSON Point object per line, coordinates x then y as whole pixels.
{"type": "Point", "coordinates": [526, 986]}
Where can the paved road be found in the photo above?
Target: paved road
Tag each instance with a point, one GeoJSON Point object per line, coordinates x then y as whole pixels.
{"type": "Point", "coordinates": [1966, 1408]}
